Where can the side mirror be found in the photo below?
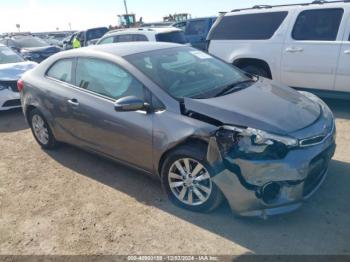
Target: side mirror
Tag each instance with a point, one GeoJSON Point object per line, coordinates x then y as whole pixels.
{"type": "Point", "coordinates": [130, 104]}
{"type": "Point", "coordinates": [65, 42]}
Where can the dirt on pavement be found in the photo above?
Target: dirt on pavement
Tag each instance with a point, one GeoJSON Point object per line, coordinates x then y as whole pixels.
{"type": "Point", "coordinates": [69, 202]}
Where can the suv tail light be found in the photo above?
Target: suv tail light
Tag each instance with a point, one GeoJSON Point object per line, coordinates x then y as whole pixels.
{"type": "Point", "coordinates": [20, 85]}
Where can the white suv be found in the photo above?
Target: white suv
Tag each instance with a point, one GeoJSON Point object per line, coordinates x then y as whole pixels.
{"type": "Point", "coordinates": [305, 46]}
{"type": "Point", "coordinates": [154, 34]}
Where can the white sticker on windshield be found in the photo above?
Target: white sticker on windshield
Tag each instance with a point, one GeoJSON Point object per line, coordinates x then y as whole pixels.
{"type": "Point", "coordinates": [201, 55]}
{"type": "Point", "coordinates": [8, 52]}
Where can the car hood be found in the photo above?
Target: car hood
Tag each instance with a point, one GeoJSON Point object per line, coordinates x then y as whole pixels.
{"type": "Point", "coordinates": [14, 71]}
{"type": "Point", "coordinates": [46, 49]}
{"type": "Point", "coordinates": [264, 105]}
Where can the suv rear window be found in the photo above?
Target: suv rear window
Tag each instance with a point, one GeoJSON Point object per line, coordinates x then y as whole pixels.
{"type": "Point", "coordinates": [318, 25]}
{"type": "Point", "coordinates": [260, 26]}
{"type": "Point", "coordinates": [172, 37]}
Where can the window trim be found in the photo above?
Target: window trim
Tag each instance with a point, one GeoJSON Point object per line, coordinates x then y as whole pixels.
{"type": "Point", "coordinates": [308, 10]}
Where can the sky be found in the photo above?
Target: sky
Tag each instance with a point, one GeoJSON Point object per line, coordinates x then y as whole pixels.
{"type": "Point", "coordinates": [48, 15]}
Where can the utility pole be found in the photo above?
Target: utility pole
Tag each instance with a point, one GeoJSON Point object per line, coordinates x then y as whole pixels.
{"type": "Point", "coordinates": [126, 8]}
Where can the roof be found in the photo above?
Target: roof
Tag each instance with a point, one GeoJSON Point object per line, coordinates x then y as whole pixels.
{"type": "Point", "coordinates": [125, 49]}
{"type": "Point", "coordinates": [155, 30]}
{"type": "Point", "coordinates": [269, 8]}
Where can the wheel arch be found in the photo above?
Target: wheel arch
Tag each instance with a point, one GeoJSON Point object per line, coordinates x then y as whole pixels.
{"type": "Point", "coordinates": [245, 61]}
{"type": "Point", "coordinates": [191, 141]}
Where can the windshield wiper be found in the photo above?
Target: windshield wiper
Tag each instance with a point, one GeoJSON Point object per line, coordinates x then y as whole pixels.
{"type": "Point", "coordinates": [233, 87]}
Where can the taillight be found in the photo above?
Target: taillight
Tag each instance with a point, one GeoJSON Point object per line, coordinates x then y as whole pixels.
{"type": "Point", "coordinates": [20, 85]}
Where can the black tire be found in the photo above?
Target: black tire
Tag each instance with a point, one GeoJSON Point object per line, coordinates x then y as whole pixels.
{"type": "Point", "coordinates": [215, 197]}
{"type": "Point", "coordinates": [51, 142]}
{"type": "Point", "coordinates": [256, 70]}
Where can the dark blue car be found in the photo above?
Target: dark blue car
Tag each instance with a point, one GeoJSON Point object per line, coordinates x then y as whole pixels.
{"type": "Point", "coordinates": [196, 30]}
{"type": "Point", "coordinates": [30, 47]}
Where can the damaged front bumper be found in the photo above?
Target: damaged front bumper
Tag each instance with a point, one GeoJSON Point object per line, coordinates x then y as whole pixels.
{"type": "Point", "coordinates": [264, 188]}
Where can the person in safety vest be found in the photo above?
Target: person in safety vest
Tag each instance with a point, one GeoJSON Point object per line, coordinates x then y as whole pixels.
{"type": "Point", "coordinates": [76, 41]}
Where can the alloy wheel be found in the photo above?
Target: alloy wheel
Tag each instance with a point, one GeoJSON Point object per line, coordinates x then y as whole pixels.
{"type": "Point", "coordinates": [40, 130]}
{"type": "Point", "coordinates": [190, 182]}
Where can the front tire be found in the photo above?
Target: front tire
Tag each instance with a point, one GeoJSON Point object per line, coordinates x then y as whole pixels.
{"type": "Point", "coordinates": [41, 130]}
{"type": "Point", "coordinates": [187, 180]}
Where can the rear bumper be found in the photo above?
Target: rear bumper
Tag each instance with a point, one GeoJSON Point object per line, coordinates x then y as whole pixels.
{"type": "Point", "coordinates": [266, 188]}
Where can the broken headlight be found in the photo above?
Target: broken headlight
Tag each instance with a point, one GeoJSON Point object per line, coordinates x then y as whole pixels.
{"type": "Point", "coordinates": [250, 143]}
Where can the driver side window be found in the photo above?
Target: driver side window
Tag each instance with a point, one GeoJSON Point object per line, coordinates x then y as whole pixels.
{"type": "Point", "coordinates": [107, 79]}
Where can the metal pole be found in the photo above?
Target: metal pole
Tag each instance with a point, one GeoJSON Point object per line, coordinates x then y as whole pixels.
{"type": "Point", "coordinates": [126, 7]}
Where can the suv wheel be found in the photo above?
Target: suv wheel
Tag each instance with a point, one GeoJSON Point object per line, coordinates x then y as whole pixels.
{"type": "Point", "coordinates": [186, 179]}
{"type": "Point", "coordinates": [41, 130]}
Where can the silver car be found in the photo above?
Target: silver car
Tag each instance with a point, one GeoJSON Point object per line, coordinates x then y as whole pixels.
{"type": "Point", "coordinates": [208, 130]}
{"type": "Point", "coordinates": [12, 67]}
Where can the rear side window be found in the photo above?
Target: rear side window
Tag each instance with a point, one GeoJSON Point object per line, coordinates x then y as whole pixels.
{"type": "Point", "coordinates": [318, 25]}
{"type": "Point", "coordinates": [62, 70]}
{"type": "Point", "coordinates": [107, 79]}
{"type": "Point", "coordinates": [172, 37]}
{"type": "Point", "coordinates": [260, 26]}
{"type": "Point", "coordinates": [107, 40]}
{"type": "Point", "coordinates": [124, 38]}
{"type": "Point", "coordinates": [198, 27]}
{"type": "Point", "coordinates": [139, 38]}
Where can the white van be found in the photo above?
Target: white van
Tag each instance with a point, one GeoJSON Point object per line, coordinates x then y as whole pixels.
{"type": "Point", "coordinates": [305, 46]}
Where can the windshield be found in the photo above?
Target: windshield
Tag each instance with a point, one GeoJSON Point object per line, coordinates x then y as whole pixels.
{"type": "Point", "coordinates": [187, 72]}
{"type": "Point", "coordinates": [172, 37]}
{"type": "Point", "coordinates": [8, 56]}
{"type": "Point", "coordinates": [30, 42]}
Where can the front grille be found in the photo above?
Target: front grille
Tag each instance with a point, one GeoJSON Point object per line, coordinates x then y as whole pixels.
{"type": "Point", "coordinates": [317, 170]}
{"type": "Point", "coordinates": [12, 85]}
{"type": "Point", "coordinates": [13, 102]}
{"type": "Point", "coordinates": [328, 131]}
{"type": "Point", "coordinates": [312, 141]}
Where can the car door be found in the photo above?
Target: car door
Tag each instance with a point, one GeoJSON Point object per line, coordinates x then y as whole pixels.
{"type": "Point", "coordinates": [60, 77]}
{"type": "Point", "coordinates": [342, 82]}
{"type": "Point", "coordinates": [126, 136]}
{"type": "Point", "coordinates": [196, 32]}
{"type": "Point", "coordinates": [311, 51]}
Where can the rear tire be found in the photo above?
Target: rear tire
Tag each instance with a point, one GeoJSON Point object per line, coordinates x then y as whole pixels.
{"type": "Point", "coordinates": [197, 193]}
{"type": "Point", "coordinates": [41, 130]}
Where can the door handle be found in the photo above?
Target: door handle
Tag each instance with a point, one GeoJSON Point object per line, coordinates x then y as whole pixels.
{"type": "Point", "coordinates": [347, 52]}
{"type": "Point", "coordinates": [294, 49]}
{"type": "Point", "coordinates": [73, 102]}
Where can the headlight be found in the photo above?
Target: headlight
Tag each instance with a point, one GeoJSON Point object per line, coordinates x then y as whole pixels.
{"type": "Point", "coordinates": [260, 137]}
{"type": "Point", "coordinates": [253, 143]}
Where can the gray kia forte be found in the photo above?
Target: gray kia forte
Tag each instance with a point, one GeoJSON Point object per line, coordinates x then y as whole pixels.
{"type": "Point", "coordinates": [209, 131]}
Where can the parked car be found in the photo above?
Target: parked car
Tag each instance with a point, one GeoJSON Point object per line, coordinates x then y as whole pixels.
{"type": "Point", "coordinates": [196, 31]}
{"type": "Point", "coordinates": [303, 46]}
{"type": "Point", "coordinates": [155, 34]}
{"type": "Point", "coordinates": [188, 117]}
{"type": "Point", "coordinates": [12, 66]}
{"type": "Point", "coordinates": [157, 24]}
{"type": "Point", "coordinates": [31, 48]}
{"type": "Point", "coordinates": [87, 37]}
